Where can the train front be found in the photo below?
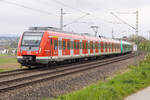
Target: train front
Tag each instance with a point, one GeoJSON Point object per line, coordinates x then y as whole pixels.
{"type": "Point", "coordinates": [29, 48]}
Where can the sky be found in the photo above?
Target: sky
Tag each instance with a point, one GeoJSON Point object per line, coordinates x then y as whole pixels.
{"type": "Point", "coordinates": [17, 15]}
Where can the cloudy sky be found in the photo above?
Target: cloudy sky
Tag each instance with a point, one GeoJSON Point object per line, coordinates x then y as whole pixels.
{"type": "Point", "coordinates": [17, 15]}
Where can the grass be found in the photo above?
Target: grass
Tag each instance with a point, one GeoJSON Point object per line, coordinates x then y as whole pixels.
{"type": "Point", "coordinates": [8, 63]}
{"type": "Point", "coordinates": [2, 70]}
{"type": "Point", "coordinates": [122, 85]}
{"type": "Point", "coordinates": [7, 60]}
{"type": "Point", "coordinates": [6, 55]}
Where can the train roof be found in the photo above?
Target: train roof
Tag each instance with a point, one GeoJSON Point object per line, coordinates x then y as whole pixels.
{"type": "Point", "coordinates": [125, 42]}
{"type": "Point", "coordinates": [59, 32]}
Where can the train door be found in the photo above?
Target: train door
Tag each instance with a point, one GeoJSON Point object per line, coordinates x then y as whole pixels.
{"type": "Point", "coordinates": [106, 46]}
{"type": "Point", "coordinates": [54, 46]}
{"type": "Point", "coordinates": [115, 47]}
{"type": "Point", "coordinates": [109, 46]}
{"type": "Point", "coordinates": [91, 47]}
{"type": "Point", "coordinates": [112, 47]}
{"type": "Point", "coordinates": [84, 47]}
{"type": "Point", "coordinates": [76, 47]}
{"type": "Point", "coordinates": [68, 47]}
{"type": "Point", "coordinates": [64, 47]}
{"type": "Point", "coordinates": [102, 47]}
{"type": "Point", "coordinates": [96, 47]}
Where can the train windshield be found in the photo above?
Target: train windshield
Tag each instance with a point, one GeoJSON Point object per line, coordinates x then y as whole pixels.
{"type": "Point", "coordinates": [31, 39]}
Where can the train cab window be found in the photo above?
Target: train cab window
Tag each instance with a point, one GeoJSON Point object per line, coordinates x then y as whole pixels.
{"type": "Point", "coordinates": [60, 45]}
{"type": "Point", "coordinates": [55, 44]}
{"type": "Point", "coordinates": [64, 44]}
{"type": "Point", "coordinates": [68, 44]}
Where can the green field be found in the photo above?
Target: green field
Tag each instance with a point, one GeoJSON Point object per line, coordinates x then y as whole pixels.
{"type": "Point", "coordinates": [8, 63]}
{"type": "Point", "coordinates": [122, 85]}
{"type": "Point", "coordinates": [4, 60]}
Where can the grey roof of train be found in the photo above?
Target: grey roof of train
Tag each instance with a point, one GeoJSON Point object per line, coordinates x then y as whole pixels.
{"type": "Point", "coordinates": [42, 29]}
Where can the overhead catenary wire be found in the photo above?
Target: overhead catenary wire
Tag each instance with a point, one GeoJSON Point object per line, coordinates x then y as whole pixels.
{"type": "Point", "coordinates": [76, 20]}
{"type": "Point", "coordinates": [26, 7]}
{"type": "Point", "coordinates": [77, 9]}
{"type": "Point", "coordinates": [123, 21]}
{"type": "Point", "coordinates": [68, 6]}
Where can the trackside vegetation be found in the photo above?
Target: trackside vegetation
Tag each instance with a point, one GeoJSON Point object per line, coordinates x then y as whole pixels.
{"type": "Point", "coordinates": [144, 46]}
{"type": "Point", "coordinates": [120, 86]}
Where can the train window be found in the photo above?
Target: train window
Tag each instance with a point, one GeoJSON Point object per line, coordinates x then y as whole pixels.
{"type": "Point", "coordinates": [78, 45]}
{"type": "Point", "coordinates": [86, 45]}
{"type": "Point", "coordinates": [99, 45]}
{"type": "Point", "coordinates": [103, 45]}
{"type": "Point", "coordinates": [96, 45]}
{"type": "Point", "coordinates": [64, 44]}
{"type": "Point", "coordinates": [60, 45]}
{"type": "Point", "coordinates": [71, 44]}
{"type": "Point", "coordinates": [55, 44]}
{"type": "Point", "coordinates": [111, 45]}
{"type": "Point", "coordinates": [83, 45]}
{"type": "Point", "coordinates": [75, 45]}
{"type": "Point", "coordinates": [68, 44]}
{"type": "Point", "coordinates": [91, 45]}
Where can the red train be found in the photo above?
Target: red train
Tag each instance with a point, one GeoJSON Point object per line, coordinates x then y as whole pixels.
{"type": "Point", "coordinates": [45, 45]}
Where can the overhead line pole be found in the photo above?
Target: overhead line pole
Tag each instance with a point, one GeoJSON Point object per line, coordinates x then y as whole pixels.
{"type": "Point", "coordinates": [61, 18]}
{"type": "Point", "coordinates": [137, 29]}
{"type": "Point", "coordinates": [137, 23]}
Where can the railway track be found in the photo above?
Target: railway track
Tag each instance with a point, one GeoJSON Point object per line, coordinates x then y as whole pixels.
{"type": "Point", "coordinates": [7, 84]}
